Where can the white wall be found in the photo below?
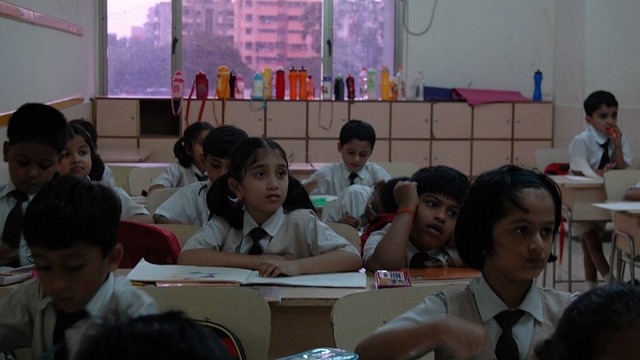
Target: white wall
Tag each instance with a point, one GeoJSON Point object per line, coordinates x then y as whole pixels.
{"type": "Point", "coordinates": [42, 65]}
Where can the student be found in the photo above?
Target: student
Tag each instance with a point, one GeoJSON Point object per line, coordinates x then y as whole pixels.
{"type": "Point", "coordinates": [381, 209]}
{"type": "Point", "coordinates": [357, 139]}
{"type": "Point", "coordinates": [71, 228]}
{"type": "Point", "coordinates": [170, 335]}
{"type": "Point", "coordinates": [603, 147]}
{"type": "Point", "coordinates": [603, 323]}
{"type": "Point", "coordinates": [189, 204]}
{"type": "Point", "coordinates": [190, 167]}
{"type": "Point", "coordinates": [272, 207]}
{"type": "Point", "coordinates": [350, 207]}
{"type": "Point", "coordinates": [428, 208]}
{"type": "Point", "coordinates": [107, 175]}
{"type": "Point", "coordinates": [36, 134]}
{"type": "Point", "coordinates": [505, 228]}
{"type": "Point", "coordinates": [79, 159]}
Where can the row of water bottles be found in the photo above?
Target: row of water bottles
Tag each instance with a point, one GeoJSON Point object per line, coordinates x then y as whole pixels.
{"type": "Point", "coordinates": [391, 88]}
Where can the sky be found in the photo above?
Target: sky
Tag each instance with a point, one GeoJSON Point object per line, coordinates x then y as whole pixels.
{"type": "Point", "coordinates": [123, 14]}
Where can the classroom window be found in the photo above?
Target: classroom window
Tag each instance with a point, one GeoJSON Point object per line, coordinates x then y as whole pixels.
{"type": "Point", "coordinates": [143, 51]}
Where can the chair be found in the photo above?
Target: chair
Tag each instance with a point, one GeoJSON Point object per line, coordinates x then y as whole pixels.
{"type": "Point", "coordinates": [121, 175]}
{"type": "Point", "coordinates": [616, 183]}
{"type": "Point", "coordinates": [140, 178]}
{"type": "Point", "coordinates": [396, 169]}
{"type": "Point", "coordinates": [544, 157]}
{"type": "Point", "coordinates": [347, 232]}
{"type": "Point", "coordinates": [356, 316]}
{"type": "Point", "coordinates": [157, 245]}
{"type": "Point", "coordinates": [182, 231]}
{"type": "Point", "coordinates": [242, 310]}
{"type": "Point", "coordinates": [157, 197]}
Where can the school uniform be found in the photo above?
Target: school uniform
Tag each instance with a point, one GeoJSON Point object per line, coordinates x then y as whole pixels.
{"type": "Point", "coordinates": [7, 202]}
{"type": "Point", "coordinates": [444, 256]}
{"type": "Point", "coordinates": [177, 176]}
{"type": "Point", "coordinates": [478, 303]}
{"type": "Point", "coordinates": [187, 205]}
{"type": "Point", "coordinates": [353, 200]}
{"type": "Point", "coordinates": [108, 176]}
{"type": "Point", "coordinates": [334, 178]}
{"type": "Point", "coordinates": [28, 316]}
{"type": "Point", "coordinates": [129, 207]}
{"type": "Point", "coordinates": [298, 233]}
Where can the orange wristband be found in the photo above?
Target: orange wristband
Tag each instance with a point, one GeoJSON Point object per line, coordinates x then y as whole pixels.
{"type": "Point", "coordinates": [411, 212]}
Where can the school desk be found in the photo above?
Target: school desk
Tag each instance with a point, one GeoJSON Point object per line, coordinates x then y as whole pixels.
{"type": "Point", "coordinates": [626, 223]}
{"type": "Point", "coordinates": [124, 154]}
{"type": "Point", "coordinates": [578, 196]}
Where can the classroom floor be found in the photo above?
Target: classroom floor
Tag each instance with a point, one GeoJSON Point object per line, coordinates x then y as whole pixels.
{"type": "Point", "coordinates": [577, 272]}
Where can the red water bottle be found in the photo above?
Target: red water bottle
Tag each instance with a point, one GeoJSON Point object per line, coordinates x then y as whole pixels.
{"type": "Point", "coordinates": [351, 88]}
{"type": "Point", "coordinates": [280, 83]}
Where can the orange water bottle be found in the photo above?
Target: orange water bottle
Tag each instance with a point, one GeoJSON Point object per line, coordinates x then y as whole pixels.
{"type": "Point", "coordinates": [222, 88]}
{"type": "Point", "coordinates": [385, 86]}
{"type": "Point", "coordinates": [302, 79]}
{"type": "Point", "coordinates": [293, 83]}
{"type": "Point", "coordinates": [266, 78]}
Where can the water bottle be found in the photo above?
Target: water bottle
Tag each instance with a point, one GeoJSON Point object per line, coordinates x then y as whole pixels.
{"type": "Point", "coordinates": [222, 86]}
{"type": "Point", "coordinates": [371, 84]}
{"type": "Point", "coordinates": [537, 93]}
{"type": "Point", "coordinates": [257, 87]}
{"type": "Point", "coordinates": [385, 85]}
{"type": "Point", "coordinates": [266, 78]}
{"type": "Point", "coordinates": [351, 88]}
{"type": "Point", "coordinates": [239, 87]}
{"type": "Point", "coordinates": [280, 83]}
{"type": "Point", "coordinates": [326, 88]}
{"type": "Point", "coordinates": [311, 88]}
{"type": "Point", "coordinates": [338, 90]}
{"type": "Point", "coordinates": [302, 80]}
{"type": "Point", "coordinates": [293, 83]}
{"type": "Point", "coordinates": [402, 91]}
{"type": "Point", "coordinates": [362, 84]}
{"type": "Point", "coordinates": [418, 86]}
{"type": "Point", "coordinates": [232, 84]}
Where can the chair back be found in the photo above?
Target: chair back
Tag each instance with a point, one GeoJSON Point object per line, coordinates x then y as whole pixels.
{"type": "Point", "coordinates": [227, 337]}
{"type": "Point", "coordinates": [347, 232]}
{"type": "Point", "coordinates": [140, 178]}
{"type": "Point", "coordinates": [157, 245]}
{"type": "Point", "coordinates": [544, 157]}
{"type": "Point", "coordinates": [617, 182]}
{"type": "Point", "coordinates": [182, 231]}
{"type": "Point", "coordinates": [398, 168]}
{"type": "Point", "coordinates": [157, 197]}
{"type": "Point", "coordinates": [356, 316]}
{"type": "Point", "coordinates": [241, 310]}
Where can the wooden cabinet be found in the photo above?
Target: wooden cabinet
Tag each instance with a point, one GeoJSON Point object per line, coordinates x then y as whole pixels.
{"type": "Point", "coordinates": [492, 121]}
{"type": "Point", "coordinates": [286, 119]}
{"type": "Point", "coordinates": [322, 151]}
{"type": "Point", "coordinates": [375, 113]}
{"type": "Point", "coordinates": [533, 121]}
{"type": "Point", "coordinates": [326, 118]}
{"type": "Point", "coordinates": [411, 120]}
{"type": "Point", "coordinates": [413, 151]}
{"type": "Point", "coordinates": [248, 116]}
{"type": "Point", "coordinates": [524, 151]}
{"type": "Point", "coordinates": [453, 153]}
{"type": "Point", "coordinates": [117, 117]}
{"type": "Point", "coordinates": [490, 154]}
{"type": "Point", "coordinates": [296, 149]}
{"type": "Point", "coordinates": [451, 121]}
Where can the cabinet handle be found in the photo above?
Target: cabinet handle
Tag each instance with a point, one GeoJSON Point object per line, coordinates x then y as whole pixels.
{"type": "Point", "coordinates": [435, 158]}
{"type": "Point", "coordinates": [344, 119]}
{"type": "Point", "coordinates": [260, 119]}
{"type": "Point", "coordinates": [425, 158]}
{"type": "Point", "coordinates": [517, 121]}
{"type": "Point", "coordinates": [435, 120]}
{"type": "Point", "coordinates": [508, 120]}
{"type": "Point", "coordinates": [270, 118]}
{"type": "Point", "coordinates": [426, 120]}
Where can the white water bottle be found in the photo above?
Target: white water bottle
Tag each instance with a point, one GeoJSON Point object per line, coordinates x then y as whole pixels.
{"type": "Point", "coordinates": [418, 86]}
{"type": "Point", "coordinates": [402, 91]}
{"type": "Point", "coordinates": [362, 84]}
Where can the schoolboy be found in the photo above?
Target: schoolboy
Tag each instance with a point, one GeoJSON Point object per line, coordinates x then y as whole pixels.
{"type": "Point", "coordinates": [37, 134]}
{"type": "Point", "coordinates": [603, 147]}
{"type": "Point", "coordinates": [189, 204]}
{"type": "Point", "coordinates": [71, 228]}
{"type": "Point", "coordinates": [424, 223]}
{"type": "Point", "coordinates": [357, 139]}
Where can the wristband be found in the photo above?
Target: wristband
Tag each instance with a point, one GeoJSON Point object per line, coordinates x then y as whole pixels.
{"type": "Point", "coordinates": [411, 212]}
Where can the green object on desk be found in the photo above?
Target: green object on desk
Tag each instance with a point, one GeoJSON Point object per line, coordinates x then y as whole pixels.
{"type": "Point", "coordinates": [319, 202]}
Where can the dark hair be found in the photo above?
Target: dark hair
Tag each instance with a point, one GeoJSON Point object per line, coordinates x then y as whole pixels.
{"type": "Point", "coordinates": [221, 140]}
{"type": "Point", "coordinates": [388, 201]}
{"type": "Point", "coordinates": [38, 123]}
{"type": "Point", "coordinates": [88, 127]}
{"type": "Point", "coordinates": [97, 165]}
{"type": "Point", "coordinates": [596, 99]}
{"type": "Point", "coordinates": [169, 335]}
{"type": "Point", "coordinates": [357, 130]}
{"type": "Point", "coordinates": [489, 200]}
{"type": "Point", "coordinates": [442, 180]}
{"type": "Point", "coordinates": [68, 210]}
{"type": "Point", "coordinates": [591, 320]}
{"type": "Point", "coordinates": [184, 145]}
{"type": "Point", "coordinates": [244, 155]}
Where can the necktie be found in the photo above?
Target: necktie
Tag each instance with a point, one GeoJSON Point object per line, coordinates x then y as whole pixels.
{"type": "Point", "coordinates": [256, 235]}
{"type": "Point", "coordinates": [13, 225]}
{"type": "Point", "coordinates": [423, 260]}
{"type": "Point", "coordinates": [604, 160]}
{"type": "Point", "coordinates": [352, 177]}
{"type": "Point", "coordinates": [506, 348]}
{"type": "Point", "coordinates": [64, 321]}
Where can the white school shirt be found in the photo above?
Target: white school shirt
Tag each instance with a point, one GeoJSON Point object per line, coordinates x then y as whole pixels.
{"type": "Point", "coordinates": [129, 207]}
{"type": "Point", "coordinates": [7, 203]}
{"type": "Point", "coordinates": [177, 176]}
{"type": "Point", "coordinates": [334, 178]}
{"type": "Point", "coordinates": [448, 256]}
{"type": "Point", "coordinates": [353, 200]}
{"type": "Point", "coordinates": [434, 307]}
{"type": "Point", "coordinates": [28, 316]}
{"type": "Point", "coordinates": [108, 176]}
{"type": "Point", "coordinates": [187, 205]}
{"type": "Point", "coordinates": [318, 239]}
{"type": "Point", "coordinates": [586, 145]}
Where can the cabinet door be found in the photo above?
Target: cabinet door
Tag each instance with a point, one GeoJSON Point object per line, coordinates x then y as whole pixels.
{"type": "Point", "coordinates": [452, 153]}
{"type": "Point", "coordinates": [326, 118]}
{"type": "Point", "coordinates": [286, 119]}
{"type": "Point", "coordinates": [533, 121]}
{"type": "Point", "coordinates": [323, 151]}
{"type": "Point", "coordinates": [451, 121]}
{"type": "Point", "coordinates": [413, 151]}
{"type": "Point", "coordinates": [296, 149]}
{"type": "Point", "coordinates": [117, 117]}
{"type": "Point", "coordinates": [207, 112]}
{"type": "Point", "coordinates": [489, 155]}
{"type": "Point", "coordinates": [524, 152]}
{"type": "Point", "coordinates": [410, 120]}
{"type": "Point", "coordinates": [380, 151]}
{"type": "Point", "coordinates": [373, 112]}
{"type": "Point", "coordinates": [492, 121]}
{"type": "Point", "coordinates": [243, 115]}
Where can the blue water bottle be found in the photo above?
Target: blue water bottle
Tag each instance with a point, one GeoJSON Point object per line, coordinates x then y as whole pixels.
{"type": "Point", "coordinates": [537, 92]}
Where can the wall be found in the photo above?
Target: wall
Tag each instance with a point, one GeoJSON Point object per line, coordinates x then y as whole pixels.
{"type": "Point", "coordinates": [42, 65]}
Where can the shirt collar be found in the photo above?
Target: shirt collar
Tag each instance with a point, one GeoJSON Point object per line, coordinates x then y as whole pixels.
{"type": "Point", "coordinates": [97, 306]}
{"type": "Point", "coordinates": [8, 187]}
{"type": "Point", "coordinates": [600, 138]}
{"type": "Point", "coordinates": [271, 226]}
{"type": "Point", "coordinates": [437, 253]}
{"type": "Point", "coordinates": [346, 172]}
{"type": "Point", "coordinates": [490, 305]}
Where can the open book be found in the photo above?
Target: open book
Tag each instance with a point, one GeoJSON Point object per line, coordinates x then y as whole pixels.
{"type": "Point", "coordinates": [9, 275]}
{"type": "Point", "coordinates": [146, 272]}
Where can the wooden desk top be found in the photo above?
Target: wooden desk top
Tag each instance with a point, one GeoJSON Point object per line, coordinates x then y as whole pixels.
{"type": "Point", "coordinates": [124, 154]}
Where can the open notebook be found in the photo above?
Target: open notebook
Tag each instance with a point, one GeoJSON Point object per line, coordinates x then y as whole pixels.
{"type": "Point", "coordinates": [146, 272]}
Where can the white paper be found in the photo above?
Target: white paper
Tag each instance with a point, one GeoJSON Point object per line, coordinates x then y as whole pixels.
{"type": "Point", "coordinates": [620, 206]}
{"type": "Point", "coordinates": [146, 272]}
{"type": "Point", "coordinates": [584, 168]}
